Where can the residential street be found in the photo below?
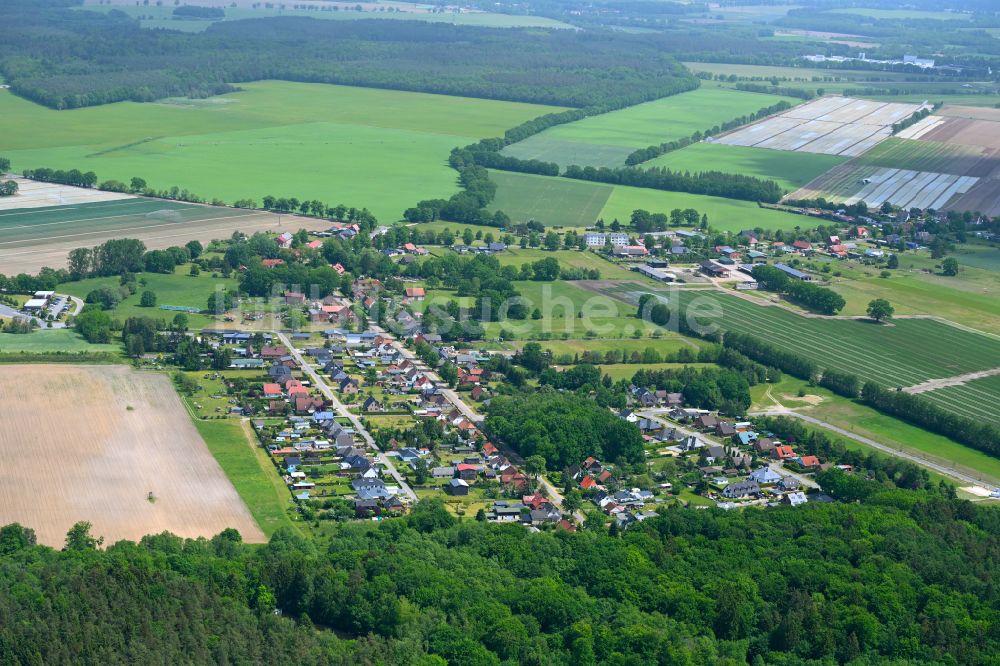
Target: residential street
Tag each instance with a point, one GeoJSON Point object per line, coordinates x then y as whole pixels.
{"type": "Point", "coordinates": [342, 409]}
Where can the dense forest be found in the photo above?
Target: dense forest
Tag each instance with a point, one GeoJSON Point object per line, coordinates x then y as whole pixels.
{"type": "Point", "coordinates": [905, 576]}
{"type": "Point", "coordinates": [67, 58]}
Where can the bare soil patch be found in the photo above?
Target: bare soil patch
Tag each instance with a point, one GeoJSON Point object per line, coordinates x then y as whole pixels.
{"type": "Point", "coordinates": [34, 194]}
{"type": "Point", "coordinates": [966, 131]}
{"type": "Point", "coordinates": [91, 442]}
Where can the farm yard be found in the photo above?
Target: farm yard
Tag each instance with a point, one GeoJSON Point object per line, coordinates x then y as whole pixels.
{"type": "Point", "coordinates": [564, 202]}
{"type": "Point", "coordinates": [126, 435]}
{"type": "Point", "coordinates": [31, 238]}
{"type": "Point", "coordinates": [607, 139]}
{"type": "Point", "coordinates": [829, 125]}
{"type": "Point", "coordinates": [338, 144]}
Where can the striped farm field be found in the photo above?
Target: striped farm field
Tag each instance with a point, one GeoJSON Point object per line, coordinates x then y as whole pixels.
{"type": "Point", "coordinates": [932, 156]}
{"type": "Point", "coordinates": [905, 353]}
{"type": "Point", "coordinates": [978, 399]}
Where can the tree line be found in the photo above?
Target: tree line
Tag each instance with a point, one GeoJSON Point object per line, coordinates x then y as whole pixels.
{"type": "Point", "coordinates": [819, 299]}
{"type": "Point", "coordinates": [710, 183]}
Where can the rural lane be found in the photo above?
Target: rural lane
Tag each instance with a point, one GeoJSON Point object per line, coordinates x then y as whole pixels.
{"type": "Point", "coordinates": [342, 409]}
{"type": "Point", "coordinates": [923, 462]}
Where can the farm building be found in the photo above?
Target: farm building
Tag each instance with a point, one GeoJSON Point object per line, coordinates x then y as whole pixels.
{"type": "Point", "coordinates": [600, 240]}
{"type": "Point", "coordinates": [792, 272]}
{"type": "Point", "coordinates": [655, 273]}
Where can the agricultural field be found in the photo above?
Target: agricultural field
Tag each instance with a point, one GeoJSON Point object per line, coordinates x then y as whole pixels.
{"type": "Point", "coordinates": [339, 144]}
{"type": "Point", "coordinates": [893, 355]}
{"type": "Point", "coordinates": [607, 139]}
{"type": "Point", "coordinates": [829, 125]}
{"type": "Point", "coordinates": [668, 343]}
{"type": "Point", "coordinates": [977, 256]}
{"type": "Point", "coordinates": [791, 170]}
{"type": "Point", "coordinates": [552, 201]}
{"type": "Point", "coordinates": [33, 194]}
{"type": "Point", "coordinates": [178, 289]}
{"type": "Point", "coordinates": [136, 439]}
{"type": "Point", "coordinates": [151, 16]}
{"type": "Point", "coordinates": [978, 399]}
{"type": "Point", "coordinates": [900, 153]}
{"type": "Point", "coordinates": [45, 341]}
{"type": "Point", "coordinates": [36, 237]}
{"type": "Point", "coordinates": [528, 197]}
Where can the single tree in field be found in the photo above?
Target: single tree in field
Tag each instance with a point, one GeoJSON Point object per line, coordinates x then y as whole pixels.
{"type": "Point", "coordinates": [148, 299]}
{"type": "Point", "coordinates": [950, 266]}
{"type": "Point", "coordinates": [893, 261]}
{"type": "Point", "coordinates": [880, 309]}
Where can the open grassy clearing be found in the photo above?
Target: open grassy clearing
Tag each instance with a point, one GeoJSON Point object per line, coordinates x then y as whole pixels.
{"type": "Point", "coordinates": [790, 170]}
{"type": "Point", "coordinates": [162, 17]}
{"type": "Point", "coordinates": [386, 149]}
{"type": "Point", "coordinates": [968, 298]}
{"type": "Point", "coordinates": [525, 197]}
{"type": "Point", "coordinates": [178, 289]}
{"type": "Point", "coordinates": [978, 256]}
{"type": "Point", "coordinates": [552, 201]}
{"type": "Point", "coordinates": [867, 422]}
{"type": "Point", "coordinates": [607, 139]}
{"type": "Point", "coordinates": [126, 434]}
{"type": "Point", "coordinates": [51, 340]}
{"type": "Point", "coordinates": [978, 399]}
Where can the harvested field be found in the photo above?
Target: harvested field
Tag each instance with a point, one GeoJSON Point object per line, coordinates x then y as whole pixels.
{"type": "Point", "coordinates": [898, 153]}
{"type": "Point", "coordinates": [32, 194]}
{"type": "Point", "coordinates": [830, 125]}
{"type": "Point", "coordinates": [97, 440]}
{"type": "Point", "coordinates": [973, 112]}
{"type": "Point", "coordinates": [36, 237]}
{"type": "Point", "coordinates": [984, 197]}
{"type": "Point", "coordinates": [966, 131]}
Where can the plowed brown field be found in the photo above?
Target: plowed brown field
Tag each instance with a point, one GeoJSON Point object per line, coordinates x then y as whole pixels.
{"type": "Point", "coordinates": [91, 442]}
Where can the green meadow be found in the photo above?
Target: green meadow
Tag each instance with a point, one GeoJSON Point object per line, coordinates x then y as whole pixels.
{"type": "Point", "coordinates": [178, 289]}
{"type": "Point", "coordinates": [565, 202]}
{"type": "Point", "coordinates": [607, 139]}
{"type": "Point", "coordinates": [50, 340]}
{"type": "Point", "coordinates": [903, 14]}
{"type": "Point", "coordinates": [358, 146]}
{"type": "Point", "coordinates": [791, 170]}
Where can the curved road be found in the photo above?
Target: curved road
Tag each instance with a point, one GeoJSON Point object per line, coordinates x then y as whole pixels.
{"type": "Point", "coordinates": [923, 462]}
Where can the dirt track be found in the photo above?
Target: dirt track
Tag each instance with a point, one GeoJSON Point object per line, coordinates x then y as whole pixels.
{"type": "Point", "coordinates": [90, 442]}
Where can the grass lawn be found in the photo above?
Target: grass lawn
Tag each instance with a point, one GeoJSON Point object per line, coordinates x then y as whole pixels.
{"type": "Point", "coordinates": [562, 201]}
{"type": "Point", "coordinates": [979, 256]}
{"type": "Point", "coordinates": [791, 170]}
{"type": "Point", "coordinates": [51, 340]}
{"type": "Point", "coordinates": [607, 139]}
{"type": "Point", "coordinates": [359, 146]}
{"type": "Point", "coordinates": [177, 289]}
{"type": "Point", "coordinates": [251, 473]}
{"type": "Point", "coordinates": [903, 14]}
{"type": "Point", "coordinates": [516, 256]}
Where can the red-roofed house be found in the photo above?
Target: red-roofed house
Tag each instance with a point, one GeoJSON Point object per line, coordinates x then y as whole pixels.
{"type": "Point", "coordinates": [315, 245]}
{"type": "Point", "coordinates": [802, 245]}
{"type": "Point", "coordinates": [271, 390]}
{"type": "Point", "coordinates": [339, 268]}
{"type": "Point", "coordinates": [294, 298]}
{"type": "Point", "coordinates": [588, 482]}
{"type": "Point", "coordinates": [415, 293]}
{"type": "Point", "coordinates": [809, 461]}
{"type": "Point", "coordinates": [489, 449]}
{"type": "Point", "coordinates": [271, 263]}
{"type": "Point", "coordinates": [782, 452]}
